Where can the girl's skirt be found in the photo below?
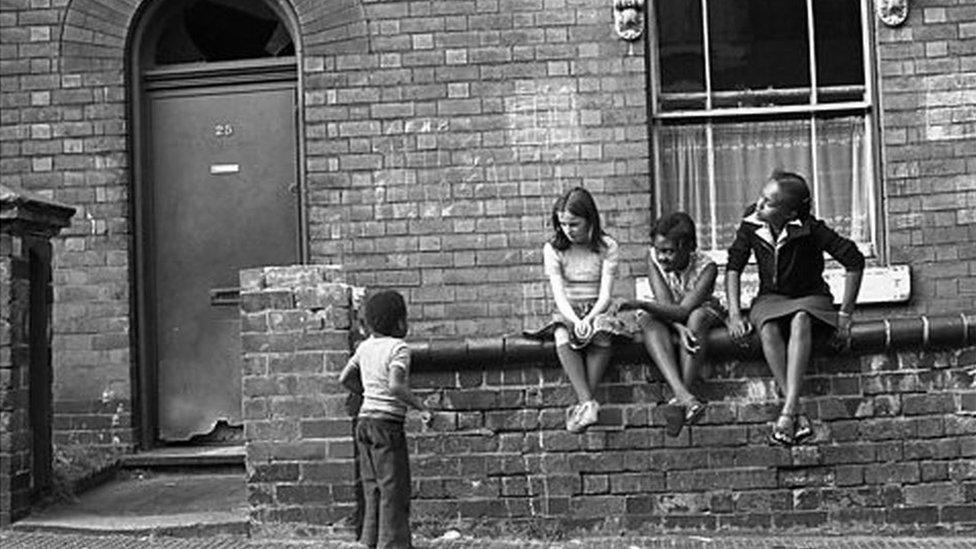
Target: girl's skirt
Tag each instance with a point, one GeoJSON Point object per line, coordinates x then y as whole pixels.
{"type": "Point", "coordinates": [606, 325]}
{"type": "Point", "coordinates": [767, 307]}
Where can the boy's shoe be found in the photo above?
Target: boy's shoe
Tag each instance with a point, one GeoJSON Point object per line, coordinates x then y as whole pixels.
{"type": "Point", "coordinates": [589, 412]}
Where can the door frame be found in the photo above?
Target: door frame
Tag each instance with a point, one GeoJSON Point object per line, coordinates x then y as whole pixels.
{"type": "Point", "coordinates": [140, 80]}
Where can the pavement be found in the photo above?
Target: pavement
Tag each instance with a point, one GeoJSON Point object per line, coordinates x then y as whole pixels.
{"type": "Point", "coordinates": [11, 539]}
{"type": "Point", "coordinates": [144, 503]}
{"type": "Point", "coordinates": [181, 510]}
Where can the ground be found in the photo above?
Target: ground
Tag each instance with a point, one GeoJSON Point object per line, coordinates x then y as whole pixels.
{"type": "Point", "coordinates": [35, 540]}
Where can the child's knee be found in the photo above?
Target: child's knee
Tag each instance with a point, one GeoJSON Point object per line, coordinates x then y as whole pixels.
{"type": "Point", "coordinates": [801, 320]}
{"type": "Point", "coordinates": [700, 319]}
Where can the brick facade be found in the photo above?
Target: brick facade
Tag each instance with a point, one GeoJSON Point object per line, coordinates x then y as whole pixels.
{"type": "Point", "coordinates": [436, 135]}
{"type": "Point", "coordinates": [895, 439]}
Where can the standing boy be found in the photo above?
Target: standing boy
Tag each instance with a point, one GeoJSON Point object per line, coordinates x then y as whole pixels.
{"type": "Point", "coordinates": [383, 363]}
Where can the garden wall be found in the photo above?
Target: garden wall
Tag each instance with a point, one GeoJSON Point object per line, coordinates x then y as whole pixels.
{"type": "Point", "coordinates": [895, 435]}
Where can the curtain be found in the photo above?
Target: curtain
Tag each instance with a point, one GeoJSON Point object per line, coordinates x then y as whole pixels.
{"type": "Point", "coordinates": [745, 153]}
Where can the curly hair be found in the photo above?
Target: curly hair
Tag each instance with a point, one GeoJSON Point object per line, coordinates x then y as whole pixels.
{"type": "Point", "coordinates": [677, 227]}
{"type": "Point", "coordinates": [384, 311]}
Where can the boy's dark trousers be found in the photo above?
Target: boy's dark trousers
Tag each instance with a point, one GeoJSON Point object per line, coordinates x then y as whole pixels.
{"type": "Point", "coordinates": [357, 516]}
{"type": "Point", "coordinates": [385, 469]}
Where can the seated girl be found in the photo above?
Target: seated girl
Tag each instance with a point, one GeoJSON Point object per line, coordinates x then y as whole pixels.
{"type": "Point", "coordinates": [682, 280]}
{"type": "Point", "coordinates": [580, 261]}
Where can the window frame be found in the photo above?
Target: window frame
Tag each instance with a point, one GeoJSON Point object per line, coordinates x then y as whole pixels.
{"type": "Point", "coordinates": [868, 107]}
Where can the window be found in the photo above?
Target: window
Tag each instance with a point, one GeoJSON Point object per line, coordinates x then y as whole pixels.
{"type": "Point", "coordinates": [200, 31]}
{"type": "Point", "coordinates": [746, 86]}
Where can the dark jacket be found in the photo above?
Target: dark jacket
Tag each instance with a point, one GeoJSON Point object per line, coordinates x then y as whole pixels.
{"type": "Point", "coordinates": [793, 264]}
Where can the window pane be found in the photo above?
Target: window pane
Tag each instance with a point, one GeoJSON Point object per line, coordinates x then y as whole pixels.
{"type": "Point", "coordinates": [680, 46]}
{"type": "Point", "coordinates": [219, 30]}
{"type": "Point", "coordinates": [840, 57]}
{"type": "Point", "coordinates": [745, 155]}
{"type": "Point", "coordinates": [844, 197]}
{"type": "Point", "coordinates": [759, 45]}
{"type": "Point", "coordinates": [684, 176]}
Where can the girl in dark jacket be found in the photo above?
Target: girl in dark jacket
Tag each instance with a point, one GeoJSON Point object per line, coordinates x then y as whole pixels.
{"type": "Point", "coordinates": [794, 301]}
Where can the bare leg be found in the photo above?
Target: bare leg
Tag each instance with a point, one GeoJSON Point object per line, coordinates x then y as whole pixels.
{"type": "Point", "coordinates": [657, 341]}
{"type": "Point", "coordinates": [699, 321]}
{"type": "Point", "coordinates": [774, 349]}
{"type": "Point", "coordinates": [597, 359]}
{"type": "Point", "coordinates": [797, 359]}
{"type": "Point", "coordinates": [575, 368]}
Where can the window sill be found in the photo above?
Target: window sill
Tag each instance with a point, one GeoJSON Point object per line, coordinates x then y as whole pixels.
{"type": "Point", "coordinates": [889, 284]}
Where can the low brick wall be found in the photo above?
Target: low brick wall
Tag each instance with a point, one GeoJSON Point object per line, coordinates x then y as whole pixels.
{"type": "Point", "coordinates": [895, 444]}
{"type": "Point", "coordinates": [895, 439]}
{"type": "Point", "coordinates": [295, 339]}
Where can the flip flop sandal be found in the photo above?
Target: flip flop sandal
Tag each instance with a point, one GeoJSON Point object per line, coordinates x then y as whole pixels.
{"type": "Point", "coordinates": [802, 428]}
{"type": "Point", "coordinates": [694, 411]}
{"type": "Point", "coordinates": [781, 435]}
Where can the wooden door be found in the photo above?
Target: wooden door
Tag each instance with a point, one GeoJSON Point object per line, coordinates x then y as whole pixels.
{"type": "Point", "coordinates": [222, 166]}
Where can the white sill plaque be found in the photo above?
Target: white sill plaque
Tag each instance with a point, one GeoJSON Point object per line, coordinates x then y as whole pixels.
{"type": "Point", "coordinates": [892, 284]}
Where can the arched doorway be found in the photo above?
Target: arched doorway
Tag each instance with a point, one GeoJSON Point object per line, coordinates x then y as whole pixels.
{"type": "Point", "coordinates": [217, 190]}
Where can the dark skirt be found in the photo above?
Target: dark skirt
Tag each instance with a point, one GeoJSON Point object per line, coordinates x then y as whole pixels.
{"type": "Point", "coordinates": [767, 307]}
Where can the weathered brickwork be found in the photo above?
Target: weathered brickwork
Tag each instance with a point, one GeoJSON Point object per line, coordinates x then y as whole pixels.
{"type": "Point", "coordinates": [25, 346]}
{"type": "Point", "coordinates": [15, 434]}
{"type": "Point", "coordinates": [895, 438]}
{"type": "Point", "coordinates": [894, 444]}
{"type": "Point", "coordinates": [928, 106]}
{"type": "Point", "coordinates": [436, 135]}
{"type": "Point", "coordinates": [295, 333]}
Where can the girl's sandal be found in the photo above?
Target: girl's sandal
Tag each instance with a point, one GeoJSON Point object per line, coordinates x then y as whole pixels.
{"type": "Point", "coordinates": [782, 433]}
{"type": "Point", "coordinates": [674, 418]}
{"type": "Point", "coordinates": [694, 409]}
{"type": "Point", "coordinates": [802, 428]}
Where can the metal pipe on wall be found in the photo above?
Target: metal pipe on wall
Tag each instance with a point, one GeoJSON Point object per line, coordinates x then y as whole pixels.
{"type": "Point", "coordinates": [923, 332]}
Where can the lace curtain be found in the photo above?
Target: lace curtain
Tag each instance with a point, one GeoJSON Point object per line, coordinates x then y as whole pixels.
{"type": "Point", "coordinates": [743, 156]}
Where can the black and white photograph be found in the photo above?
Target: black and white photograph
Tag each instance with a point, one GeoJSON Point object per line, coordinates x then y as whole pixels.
{"type": "Point", "coordinates": [501, 274]}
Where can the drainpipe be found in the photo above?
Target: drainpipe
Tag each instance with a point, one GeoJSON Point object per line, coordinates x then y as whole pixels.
{"type": "Point", "coordinates": [870, 336]}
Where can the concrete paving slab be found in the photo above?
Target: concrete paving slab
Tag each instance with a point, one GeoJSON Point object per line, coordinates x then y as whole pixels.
{"type": "Point", "coordinates": [164, 504]}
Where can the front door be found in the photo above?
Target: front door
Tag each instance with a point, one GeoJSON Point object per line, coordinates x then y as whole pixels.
{"type": "Point", "coordinates": [222, 167]}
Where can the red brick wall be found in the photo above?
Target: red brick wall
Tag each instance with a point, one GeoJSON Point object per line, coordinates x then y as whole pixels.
{"type": "Point", "coordinates": [437, 135]}
{"type": "Point", "coordinates": [928, 101]}
{"type": "Point", "coordinates": [894, 443]}
{"type": "Point", "coordinates": [435, 159]}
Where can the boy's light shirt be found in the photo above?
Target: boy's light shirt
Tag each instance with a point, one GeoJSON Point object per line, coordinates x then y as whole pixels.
{"type": "Point", "coordinates": [375, 357]}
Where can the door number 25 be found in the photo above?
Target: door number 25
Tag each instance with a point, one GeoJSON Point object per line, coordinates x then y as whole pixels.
{"type": "Point", "coordinates": [223, 130]}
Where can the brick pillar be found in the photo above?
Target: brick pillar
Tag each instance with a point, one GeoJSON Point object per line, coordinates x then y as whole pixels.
{"type": "Point", "coordinates": [295, 331]}
{"type": "Point", "coordinates": [27, 224]}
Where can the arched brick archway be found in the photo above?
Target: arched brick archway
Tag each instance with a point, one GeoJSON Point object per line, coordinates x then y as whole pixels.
{"type": "Point", "coordinates": [94, 33]}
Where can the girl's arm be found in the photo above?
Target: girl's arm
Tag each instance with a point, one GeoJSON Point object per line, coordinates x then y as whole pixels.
{"type": "Point", "coordinates": [845, 251]}
{"type": "Point", "coordinates": [663, 305]}
{"type": "Point", "coordinates": [608, 272]}
{"type": "Point", "coordinates": [852, 286]}
{"type": "Point", "coordinates": [556, 284]}
{"type": "Point", "coordinates": [738, 326]}
{"type": "Point", "coordinates": [739, 253]}
{"type": "Point", "coordinates": [562, 302]}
